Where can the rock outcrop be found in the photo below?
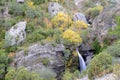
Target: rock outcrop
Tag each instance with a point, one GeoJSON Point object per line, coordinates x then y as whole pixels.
{"type": "Point", "coordinates": [54, 8]}
{"type": "Point", "coordinates": [16, 34]}
{"type": "Point", "coordinates": [38, 56]}
{"type": "Point", "coordinates": [103, 23]}
{"type": "Point", "coordinates": [79, 16]}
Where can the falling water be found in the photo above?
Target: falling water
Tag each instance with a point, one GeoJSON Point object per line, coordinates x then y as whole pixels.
{"type": "Point", "coordinates": [81, 61]}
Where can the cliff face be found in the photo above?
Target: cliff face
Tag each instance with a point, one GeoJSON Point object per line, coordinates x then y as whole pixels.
{"type": "Point", "coordinates": [38, 57]}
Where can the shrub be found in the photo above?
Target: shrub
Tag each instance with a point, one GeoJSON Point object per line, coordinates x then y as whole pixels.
{"type": "Point", "coordinates": [4, 61]}
{"type": "Point", "coordinates": [68, 76]}
{"type": "Point", "coordinates": [47, 74]}
{"type": "Point", "coordinates": [16, 9]}
{"type": "Point", "coordinates": [114, 49]}
{"type": "Point", "coordinates": [97, 47]}
{"type": "Point", "coordinates": [39, 1]}
{"type": "Point", "coordinates": [99, 65]}
{"type": "Point", "coordinates": [116, 31]}
{"type": "Point", "coordinates": [71, 75]}
{"type": "Point", "coordinates": [21, 74]}
{"type": "Point", "coordinates": [72, 37]}
{"type": "Point", "coordinates": [116, 70]}
{"type": "Point", "coordinates": [61, 21]}
{"type": "Point", "coordinates": [93, 12]}
{"type": "Point", "coordinates": [78, 25]}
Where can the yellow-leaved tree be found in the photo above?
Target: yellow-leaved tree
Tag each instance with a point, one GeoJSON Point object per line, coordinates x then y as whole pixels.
{"type": "Point", "coordinates": [61, 21]}
{"type": "Point", "coordinates": [72, 37]}
{"type": "Point", "coordinates": [78, 26]}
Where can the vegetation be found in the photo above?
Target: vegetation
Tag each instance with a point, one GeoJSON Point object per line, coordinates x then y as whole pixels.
{"type": "Point", "coordinates": [61, 21]}
{"type": "Point", "coordinates": [72, 37]}
{"type": "Point", "coordinates": [4, 63]}
{"type": "Point", "coordinates": [60, 29]}
{"type": "Point", "coordinates": [21, 74]}
{"type": "Point", "coordinates": [91, 13]}
{"type": "Point", "coordinates": [100, 65]}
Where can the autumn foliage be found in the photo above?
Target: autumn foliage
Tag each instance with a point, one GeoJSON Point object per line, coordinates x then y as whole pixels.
{"type": "Point", "coordinates": [61, 21]}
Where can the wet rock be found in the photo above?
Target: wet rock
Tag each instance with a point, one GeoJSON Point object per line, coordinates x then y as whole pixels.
{"type": "Point", "coordinates": [54, 8]}
{"type": "Point", "coordinates": [39, 56]}
{"type": "Point", "coordinates": [16, 34]}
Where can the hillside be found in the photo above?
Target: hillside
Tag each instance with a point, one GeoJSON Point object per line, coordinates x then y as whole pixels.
{"type": "Point", "coordinates": [59, 39]}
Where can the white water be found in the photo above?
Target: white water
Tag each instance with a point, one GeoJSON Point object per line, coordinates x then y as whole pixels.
{"type": "Point", "coordinates": [81, 61]}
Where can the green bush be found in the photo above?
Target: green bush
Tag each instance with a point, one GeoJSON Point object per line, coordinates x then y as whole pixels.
{"type": "Point", "coordinates": [21, 74]}
{"type": "Point", "coordinates": [114, 49]}
{"type": "Point", "coordinates": [93, 12]}
{"type": "Point", "coordinates": [68, 76]}
{"type": "Point", "coordinates": [4, 62]}
{"type": "Point", "coordinates": [96, 46]}
{"type": "Point", "coordinates": [16, 9]}
{"type": "Point", "coordinates": [99, 65]}
{"type": "Point", "coordinates": [71, 75]}
{"type": "Point", "coordinates": [116, 31]}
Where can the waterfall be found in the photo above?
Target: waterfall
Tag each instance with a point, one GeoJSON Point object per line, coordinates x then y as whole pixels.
{"type": "Point", "coordinates": [81, 61]}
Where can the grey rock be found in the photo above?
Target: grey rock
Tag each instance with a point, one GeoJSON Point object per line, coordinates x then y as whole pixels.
{"type": "Point", "coordinates": [4, 12]}
{"type": "Point", "coordinates": [79, 16]}
{"type": "Point", "coordinates": [102, 23]}
{"type": "Point", "coordinates": [109, 76]}
{"type": "Point", "coordinates": [40, 56]}
{"type": "Point", "coordinates": [20, 1]}
{"type": "Point", "coordinates": [16, 34]}
{"type": "Point", "coordinates": [54, 8]}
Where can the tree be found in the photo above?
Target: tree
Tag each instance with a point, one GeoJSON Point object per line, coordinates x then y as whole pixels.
{"type": "Point", "coordinates": [72, 37]}
{"type": "Point", "coordinates": [61, 21]}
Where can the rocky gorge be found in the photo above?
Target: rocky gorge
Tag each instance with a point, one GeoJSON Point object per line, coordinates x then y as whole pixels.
{"type": "Point", "coordinates": [59, 39]}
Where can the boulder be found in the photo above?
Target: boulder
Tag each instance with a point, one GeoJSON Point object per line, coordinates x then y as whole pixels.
{"type": "Point", "coordinates": [37, 57]}
{"type": "Point", "coordinates": [16, 34]}
{"type": "Point", "coordinates": [80, 16]}
{"type": "Point", "coordinates": [20, 1]}
{"type": "Point", "coordinates": [54, 8]}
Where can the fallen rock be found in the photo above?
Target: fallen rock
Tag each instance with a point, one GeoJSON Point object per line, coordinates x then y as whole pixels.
{"type": "Point", "coordinates": [16, 34]}
{"type": "Point", "coordinates": [54, 8]}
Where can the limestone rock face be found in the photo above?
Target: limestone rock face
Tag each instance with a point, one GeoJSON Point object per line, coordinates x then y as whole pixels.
{"type": "Point", "coordinates": [38, 56]}
{"type": "Point", "coordinates": [54, 8]}
{"type": "Point", "coordinates": [79, 16]}
{"type": "Point", "coordinates": [16, 34]}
